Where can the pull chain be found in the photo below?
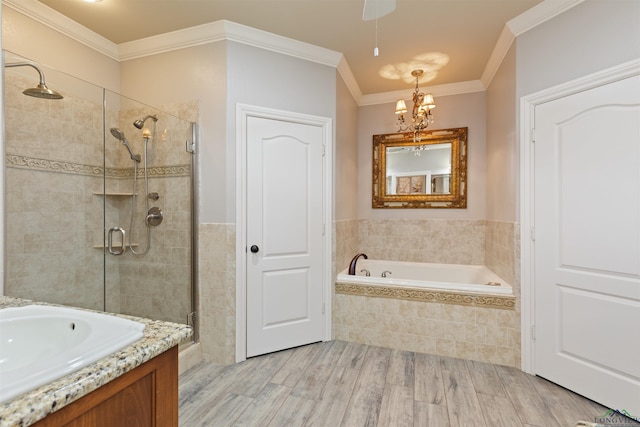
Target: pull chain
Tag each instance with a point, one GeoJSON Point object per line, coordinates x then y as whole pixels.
{"type": "Point", "coordinates": [375, 50]}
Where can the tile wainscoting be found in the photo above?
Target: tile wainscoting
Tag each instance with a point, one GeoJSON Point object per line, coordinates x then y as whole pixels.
{"type": "Point", "coordinates": [217, 284]}
{"type": "Point", "coordinates": [484, 334]}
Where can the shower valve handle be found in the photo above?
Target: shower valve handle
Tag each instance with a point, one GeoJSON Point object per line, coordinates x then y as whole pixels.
{"type": "Point", "coordinates": [254, 249]}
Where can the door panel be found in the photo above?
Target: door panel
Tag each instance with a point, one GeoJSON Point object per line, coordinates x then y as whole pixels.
{"type": "Point", "coordinates": [285, 222]}
{"type": "Point", "coordinates": [587, 243]}
{"type": "Point", "coordinates": [281, 287]}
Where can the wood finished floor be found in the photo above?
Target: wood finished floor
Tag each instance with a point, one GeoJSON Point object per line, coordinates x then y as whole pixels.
{"type": "Point", "coordinates": [341, 383]}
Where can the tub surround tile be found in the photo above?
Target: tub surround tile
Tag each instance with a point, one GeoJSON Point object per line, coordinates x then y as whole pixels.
{"type": "Point", "coordinates": [475, 333]}
{"type": "Point", "coordinates": [468, 332]}
{"type": "Point", "coordinates": [439, 241]}
{"type": "Point", "coordinates": [427, 295]}
{"type": "Point", "coordinates": [502, 247]}
{"type": "Point", "coordinates": [32, 406]}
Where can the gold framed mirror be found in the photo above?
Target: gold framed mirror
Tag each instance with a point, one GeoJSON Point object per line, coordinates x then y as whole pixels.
{"type": "Point", "coordinates": [425, 170]}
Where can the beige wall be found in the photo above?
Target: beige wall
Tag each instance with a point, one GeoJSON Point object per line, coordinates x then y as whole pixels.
{"type": "Point", "coordinates": [345, 175]}
{"type": "Point", "coordinates": [502, 147]}
{"type": "Point", "coordinates": [196, 74]}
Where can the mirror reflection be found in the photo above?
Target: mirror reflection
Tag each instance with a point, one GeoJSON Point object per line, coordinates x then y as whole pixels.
{"type": "Point", "coordinates": [419, 169]}
{"type": "Point", "coordinates": [426, 173]}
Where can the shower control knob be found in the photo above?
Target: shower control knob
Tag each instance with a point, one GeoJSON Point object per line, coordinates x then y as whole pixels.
{"type": "Point", "coordinates": [254, 249]}
{"type": "Point", "coordinates": [154, 216]}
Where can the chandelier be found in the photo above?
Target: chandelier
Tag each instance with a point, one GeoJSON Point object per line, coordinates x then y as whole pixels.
{"type": "Point", "coordinates": [421, 114]}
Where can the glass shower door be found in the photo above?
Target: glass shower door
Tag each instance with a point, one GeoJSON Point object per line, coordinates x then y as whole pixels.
{"type": "Point", "coordinates": [77, 231]}
{"type": "Point", "coordinates": [148, 208]}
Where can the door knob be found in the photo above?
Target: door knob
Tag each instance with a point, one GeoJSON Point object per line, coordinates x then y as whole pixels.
{"type": "Point", "coordinates": [254, 249]}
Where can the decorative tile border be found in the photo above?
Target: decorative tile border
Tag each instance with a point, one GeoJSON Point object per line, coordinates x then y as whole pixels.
{"type": "Point", "coordinates": [45, 165]}
{"type": "Point", "coordinates": [428, 295]}
{"type": "Point", "coordinates": [175, 170]}
{"type": "Point", "coordinates": [23, 162]}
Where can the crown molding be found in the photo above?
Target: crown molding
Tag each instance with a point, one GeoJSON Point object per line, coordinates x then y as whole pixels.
{"type": "Point", "coordinates": [437, 90]}
{"type": "Point", "coordinates": [275, 43]}
{"type": "Point", "coordinates": [227, 30]}
{"type": "Point", "coordinates": [539, 14]}
{"type": "Point", "coordinates": [349, 79]}
{"type": "Point", "coordinates": [58, 22]}
{"type": "Point", "coordinates": [497, 56]}
{"type": "Point", "coordinates": [522, 23]}
{"type": "Point", "coordinates": [174, 40]}
{"type": "Point", "coordinates": [230, 31]}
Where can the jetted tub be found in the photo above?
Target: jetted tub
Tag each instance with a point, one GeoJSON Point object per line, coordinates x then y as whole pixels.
{"type": "Point", "coordinates": [474, 279]}
{"type": "Point", "coordinates": [39, 343]}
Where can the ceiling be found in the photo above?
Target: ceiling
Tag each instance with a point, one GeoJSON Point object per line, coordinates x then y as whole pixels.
{"type": "Point", "coordinates": [451, 39]}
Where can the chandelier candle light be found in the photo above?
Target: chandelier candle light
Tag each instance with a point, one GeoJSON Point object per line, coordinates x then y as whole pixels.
{"type": "Point", "coordinates": [422, 106]}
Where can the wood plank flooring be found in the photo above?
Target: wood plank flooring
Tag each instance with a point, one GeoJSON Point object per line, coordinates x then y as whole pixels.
{"type": "Point", "coordinates": [341, 383]}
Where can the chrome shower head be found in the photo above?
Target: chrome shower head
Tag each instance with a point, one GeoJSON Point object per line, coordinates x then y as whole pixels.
{"type": "Point", "coordinates": [41, 91]}
{"type": "Point", "coordinates": [140, 122]}
{"type": "Point", "coordinates": [118, 134]}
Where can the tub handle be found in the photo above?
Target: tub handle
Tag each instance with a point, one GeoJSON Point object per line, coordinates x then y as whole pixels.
{"type": "Point", "coordinates": [366, 272]}
{"type": "Point", "coordinates": [122, 248]}
{"type": "Point", "coordinates": [384, 273]}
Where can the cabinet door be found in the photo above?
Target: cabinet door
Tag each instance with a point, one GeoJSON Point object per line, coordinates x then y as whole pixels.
{"type": "Point", "coordinates": [144, 396]}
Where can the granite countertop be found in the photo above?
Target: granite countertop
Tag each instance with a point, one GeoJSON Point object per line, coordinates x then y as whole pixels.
{"type": "Point", "coordinates": [34, 405]}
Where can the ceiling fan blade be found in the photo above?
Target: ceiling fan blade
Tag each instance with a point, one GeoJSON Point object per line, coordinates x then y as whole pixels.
{"type": "Point", "coordinates": [377, 8]}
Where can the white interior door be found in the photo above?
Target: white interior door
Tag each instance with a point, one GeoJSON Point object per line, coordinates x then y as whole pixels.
{"type": "Point", "coordinates": [284, 235]}
{"type": "Point", "coordinates": [587, 243]}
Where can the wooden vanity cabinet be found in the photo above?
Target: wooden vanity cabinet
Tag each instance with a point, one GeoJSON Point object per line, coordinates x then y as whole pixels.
{"type": "Point", "coordinates": [144, 396]}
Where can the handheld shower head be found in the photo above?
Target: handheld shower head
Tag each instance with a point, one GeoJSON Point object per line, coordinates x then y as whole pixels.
{"type": "Point", "coordinates": [140, 122]}
{"type": "Point", "coordinates": [41, 91]}
{"type": "Point", "coordinates": [118, 134]}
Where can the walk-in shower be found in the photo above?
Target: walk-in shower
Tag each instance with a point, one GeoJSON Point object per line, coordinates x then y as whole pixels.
{"type": "Point", "coordinates": [68, 182]}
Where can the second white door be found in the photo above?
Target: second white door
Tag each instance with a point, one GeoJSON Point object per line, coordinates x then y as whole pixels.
{"type": "Point", "coordinates": [587, 243]}
{"type": "Point", "coordinates": [284, 235]}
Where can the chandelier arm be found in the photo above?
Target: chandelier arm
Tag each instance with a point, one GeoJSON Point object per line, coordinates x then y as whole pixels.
{"type": "Point", "coordinates": [421, 114]}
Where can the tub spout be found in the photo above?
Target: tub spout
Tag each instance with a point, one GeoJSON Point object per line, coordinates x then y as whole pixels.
{"type": "Point", "coordinates": [352, 265]}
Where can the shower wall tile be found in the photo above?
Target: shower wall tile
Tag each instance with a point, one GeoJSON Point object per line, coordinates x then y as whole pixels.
{"type": "Point", "coordinates": [50, 254]}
